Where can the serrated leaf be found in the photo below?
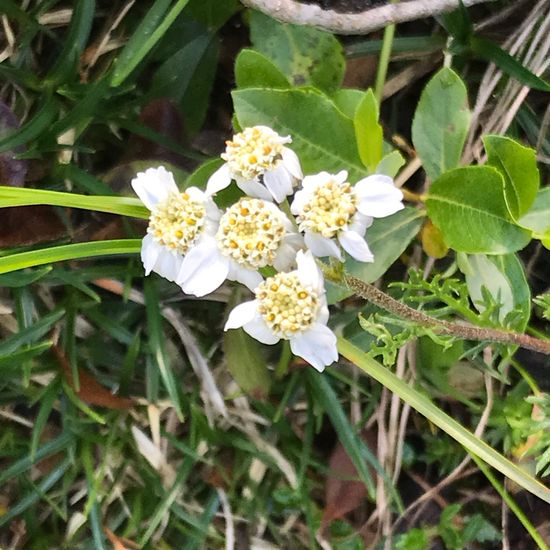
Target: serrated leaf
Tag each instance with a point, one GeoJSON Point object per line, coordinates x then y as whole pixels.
{"type": "Point", "coordinates": [441, 123]}
{"type": "Point", "coordinates": [503, 276]}
{"type": "Point", "coordinates": [322, 136]}
{"type": "Point", "coordinates": [307, 56]}
{"type": "Point", "coordinates": [468, 206]}
{"type": "Point", "coordinates": [246, 363]}
{"type": "Point", "coordinates": [368, 131]}
{"type": "Point", "coordinates": [518, 166]}
{"type": "Point", "coordinates": [254, 70]}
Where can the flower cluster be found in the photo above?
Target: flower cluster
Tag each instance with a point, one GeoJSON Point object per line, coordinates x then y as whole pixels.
{"type": "Point", "coordinates": [191, 241]}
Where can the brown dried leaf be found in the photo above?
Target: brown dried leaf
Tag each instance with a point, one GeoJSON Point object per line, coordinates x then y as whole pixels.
{"type": "Point", "coordinates": [344, 491]}
{"type": "Point", "coordinates": [91, 391]}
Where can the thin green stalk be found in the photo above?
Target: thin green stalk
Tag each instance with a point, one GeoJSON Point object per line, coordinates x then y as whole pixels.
{"type": "Point", "coordinates": [384, 60]}
{"type": "Point", "coordinates": [434, 414]}
{"type": "Point", "coordinates": [510, 502]}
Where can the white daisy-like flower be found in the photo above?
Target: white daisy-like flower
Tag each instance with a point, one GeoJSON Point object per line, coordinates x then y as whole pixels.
{"type": "Point", "coordinates": [291, 306]}
{"type": "Point", "coordinates": [259, 162]}
{"type": "Point", "coordinates": [253, 233]}
{"type": "Point", "coordinates": [179, 221]}
{"type": "Point", "coordinates": [328, 207]}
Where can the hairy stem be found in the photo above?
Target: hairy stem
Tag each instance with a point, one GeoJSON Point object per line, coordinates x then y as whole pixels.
{"type": "Point", "coordinates": [462, 330]}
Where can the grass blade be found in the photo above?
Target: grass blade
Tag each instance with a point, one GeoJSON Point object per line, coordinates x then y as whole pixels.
{"type": "Point", "coordinates": [124, 206]}
{"type": "Point", "coordinates": [434, 414]}
{"type": "Point", "coordinates": [52, 254]}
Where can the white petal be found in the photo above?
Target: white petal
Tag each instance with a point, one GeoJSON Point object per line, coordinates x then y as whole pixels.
{"type": "Point", "coordinates": [378, 196]}
{"type": "Point", "coordinates": [310, 183]}
{"type": "Point", "coordinates": [360, 223]}
{"type": "Point", "coordinates": [219, 180]}
{"type": "Point", "coordinates": [286, 255]}
{"type": "Point", "coordinates": [154, 185]}
{"type": "Point", "coordinates": [355, 246]}
{"type": "Point", "coordinates": [168, 264]}
{"type": "Point", "coordinates": [242, 314]}
{"type": "Point", "coordinates": [150, 250]}
{"type": "Point", "coordinates": [254, 188]}
{"type": "Point", "coordinates": [301, 198]}
{"type": "Point", "coordinates": [321, 246]}
{"type": "Point", "coordinates": [292, 163]}
{"type": "Point", "coordinates": [203, 269]}
{"type": "Point", "coordinates": [307, 270]}
{"type": "Point", "coordinates": [248, 277]}
{"type": "Point", "coordinates": [258, 329]}
{"type": "Point", "coordinates": [317, 346]}
{"type": "Point", "coordinates": [279, 183]}
{"type": "Point", "coordinates": [342, 176]}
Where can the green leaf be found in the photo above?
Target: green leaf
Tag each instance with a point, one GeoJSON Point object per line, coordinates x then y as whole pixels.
{"type": "Point", "coordinates": [347, 100]}
{"type": "Point", "coordinates": [488, 50]}
{"type": "Point", "coordinates": [74, 43]}
{"type": "Point", "coordinates": [254, 70]}
{"type": "Point", "coordinates": [468, 206]}
{"type": "Point", "coordinates": [503, 276]}
{"type": "Point", "coordinates": [518, 166]}
{"type": "Point", "coordinates": [16, 359]}
{"type": "Point", "coordinates": [307, 56]}
{"type": "Point", "coordinates": [387, 239]}
{"type": "Point", "coordinates": [52, 254]}
{"type": "Point", "coordinates": [537, 219]}
{"type": "Point", "coordinates": [368, 131]}
{"type": "Point", "coordinates": [33, 128]}
{"type": "Point", "coordinates": [246, 363]}
{"type": "Point", "coordinates": [442, 420]}
{"type": "Point", "coordinates": [441, 123]}
{"type": "Point", "coordinates": [391, 164]}
{"type": "Point", "coordinates": [322, 136]}
{"type": "Point", "coordinates": [21, 196]}
{"type": "Point", "coordinates": [149, 32]}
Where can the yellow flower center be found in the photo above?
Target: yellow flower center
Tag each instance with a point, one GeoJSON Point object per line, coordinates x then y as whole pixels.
{"type": "Point", "coordinates": [329, 209]}
{"type": "Point", "coordinates": [286, 305]}
{"type": "Point", "coordinates": [177, 222]}
{"type": "Point", "coordinates": [250, 233]}
{"type": "Point", "coordinates": [253, 152]}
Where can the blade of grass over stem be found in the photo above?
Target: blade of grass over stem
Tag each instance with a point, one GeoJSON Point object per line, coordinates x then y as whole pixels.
{"type": "Point", "coordinates": [125, 206]}
{"type": "Point", "coordinates": [52, 254]}
{"type": "Point", "coordinates": [149, 32]}
{"type": "Point", "coordinates": [435, 415]}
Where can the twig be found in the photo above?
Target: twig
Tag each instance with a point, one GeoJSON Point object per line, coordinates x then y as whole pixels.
{"type": "Point", "coordinates": [462, 330]}
{"type": "Point", "coordinates": [290, 11]}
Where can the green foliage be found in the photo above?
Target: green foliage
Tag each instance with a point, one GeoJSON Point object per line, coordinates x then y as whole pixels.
{"type": "Point", "coordinates": [306, 56]}
{"type": "Point", "coordinates": [368, 132]}
{"type": "Point", "coordinates": [504, 278]}
{"type": "Point", "coordinates": [544, 302]}
{"type": "Point", "coordinates": [468, 206]}
{"type": "Point", "coordinates": [518, 167]}
{"type": "Point", "coordinates": [537, 219]}
{"type": "Point", "coordinates": [254, 70]}
{"type": "Point", "coordinates": [321, 134]}
{"type": "Point", "coordinates": [441, 123]}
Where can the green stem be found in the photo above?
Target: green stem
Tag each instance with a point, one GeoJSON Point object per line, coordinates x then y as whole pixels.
{"type": "Point", "coordinates": [510, 502]}
{"type": "Point", "coordinates": [434, 414]}
{"type": "Point", "coordinates": [384, 60]}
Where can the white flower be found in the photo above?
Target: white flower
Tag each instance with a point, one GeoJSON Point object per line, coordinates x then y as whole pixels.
{"type": "Point", "coordinates": [252, 234]}
{"type": "Point", "coordinates": [291, 306]}
{"type": "Point", "coordinates": [178, 221]}
{"type": "Point", "coordinates": [328, 206]}
{"type": "Point", "coordinates": [259, 162]}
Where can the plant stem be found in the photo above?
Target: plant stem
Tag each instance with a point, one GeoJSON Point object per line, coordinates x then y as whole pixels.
{"type": "Point", "coordinates": [461, 330]}
{"type": "Point", "coordinates": [383, 62]}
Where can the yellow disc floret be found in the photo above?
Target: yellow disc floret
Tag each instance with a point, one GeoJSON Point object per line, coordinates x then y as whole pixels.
{"type": "Point", "coordinates": [250, 233]}
{"type": "Point", "coordinates": [177, 221]}
{"type": "Point", "coordinates": [253, 152]}
{"type": "Point", "coordinates": [329, 209]}
{"type": "Point", "coordinates": [286, 305]}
